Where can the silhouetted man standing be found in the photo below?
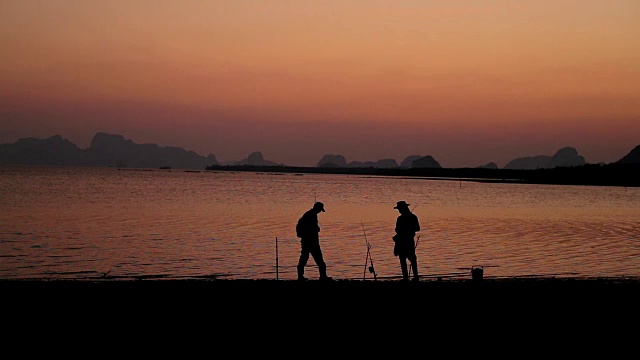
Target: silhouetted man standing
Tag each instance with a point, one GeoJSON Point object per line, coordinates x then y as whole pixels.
{"type": "Point", "coordinates": [308, 231]}
{"type": "Point", "coordinates": [406, 227]}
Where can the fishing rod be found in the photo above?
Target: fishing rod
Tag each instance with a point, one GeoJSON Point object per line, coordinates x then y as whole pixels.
{"type": "Point", "coordinates": [416, 244]}
{"type": "Point", "coordinates": [414, 250]}
{"type": "Point", "coordinates": [368, 258]}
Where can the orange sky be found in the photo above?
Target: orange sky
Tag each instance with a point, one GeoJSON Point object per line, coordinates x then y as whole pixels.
{"type": "Point", "coordinates": [467, 82]}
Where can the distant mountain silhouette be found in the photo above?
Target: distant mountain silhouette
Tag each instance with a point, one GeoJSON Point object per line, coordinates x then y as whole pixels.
{"type": "Point", "coordinates": [632, 157]}
{"type": "Point", "coordinates": [52, 151]}
{"type": "Point", "coordinates": [566, 156]}
{"type": "Point", "coordinates": [339, 161]}
{"type": "Point", "coordinates": [105, 150]}
{"type": "Point", "coordinates": [613, 174]}
{"type": "Point", "coordinates": [116, 151]}
{"type": "Point", "coordinates": [380, 164]}
{"type": "Point", "coordinates": [426, 162]}
{"type": "Point", "coordinates": [407, 163]}
{"type": "Point", "coordinates": [332, 160]}
{"type": "Point", "coordinates": [256, 159]}
{"type": "Point", "coordinates": [490, 165]}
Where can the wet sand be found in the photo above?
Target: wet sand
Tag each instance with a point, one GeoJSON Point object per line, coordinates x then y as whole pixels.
{"type": "Point", "coordinates": [516, 317]}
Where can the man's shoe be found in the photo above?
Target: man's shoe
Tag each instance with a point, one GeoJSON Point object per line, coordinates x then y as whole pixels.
{"type": "Point", "coordinates": [326, 278]}
{"type": "Point", "coordinates": [302, 279]}
{"type": "Point", "coordinates": [415, 279]}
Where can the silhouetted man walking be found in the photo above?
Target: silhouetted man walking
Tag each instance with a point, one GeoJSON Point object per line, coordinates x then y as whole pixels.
{"type": "Point", "coordinates": [407, 225]}
{"type": "Point", "coordinates": [308, 231]}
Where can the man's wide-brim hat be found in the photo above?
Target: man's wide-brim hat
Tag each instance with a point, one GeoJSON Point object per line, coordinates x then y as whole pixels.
{"type": "Point", "coordinates": [319, 206]}
{"type": "Point", "coordinates": [401, 204]}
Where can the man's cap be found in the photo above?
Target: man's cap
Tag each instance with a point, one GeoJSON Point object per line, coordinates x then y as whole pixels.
{"type": "Point", "coordinates": [401, 204]}
{"type": "Point", "coordinates": [319, 205]}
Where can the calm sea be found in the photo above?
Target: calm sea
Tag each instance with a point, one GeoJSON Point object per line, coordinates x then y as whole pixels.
{"type": "Point", "coordinates": [80, 223]}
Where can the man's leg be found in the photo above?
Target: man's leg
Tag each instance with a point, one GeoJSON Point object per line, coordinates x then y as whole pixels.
{"type": "Point", "coordinates": [302, 262]}
{"type": "Point", "coordinates": [414, 266]}
{"type": "Point", "coordinates": [403, 267]}
{"type": "Point", "coordinates": [319, 259]}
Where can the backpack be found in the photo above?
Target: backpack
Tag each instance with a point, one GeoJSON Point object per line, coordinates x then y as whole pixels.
{"type": "Point", "coordinates": [299, 228]}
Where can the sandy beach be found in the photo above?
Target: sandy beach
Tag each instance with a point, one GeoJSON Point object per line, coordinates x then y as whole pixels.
{"type": "Point", "coordinates": [349, 317]}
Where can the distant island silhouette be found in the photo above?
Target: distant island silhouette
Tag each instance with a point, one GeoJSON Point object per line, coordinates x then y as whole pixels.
{"type": "Point", "coordinates": [105, 150]}
{"type": "Point", "coordinates": [565, 167]}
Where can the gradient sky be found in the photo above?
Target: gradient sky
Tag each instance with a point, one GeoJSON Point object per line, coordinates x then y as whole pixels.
{"type": "Point", "coordinates": [467, 82]}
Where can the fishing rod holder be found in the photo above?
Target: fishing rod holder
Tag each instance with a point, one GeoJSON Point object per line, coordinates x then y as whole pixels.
{"type": "Point", "coordinates": [477, 272]}
{"type": "Point", "coordinates": [368, 259]}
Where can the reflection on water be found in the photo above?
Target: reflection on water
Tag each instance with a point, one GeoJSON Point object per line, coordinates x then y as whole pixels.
{"type": "Point", "coordinates": [65, 222]}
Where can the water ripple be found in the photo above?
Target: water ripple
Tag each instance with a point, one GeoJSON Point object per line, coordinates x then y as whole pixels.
{"type": "Point", "coordinates": [210, 225]}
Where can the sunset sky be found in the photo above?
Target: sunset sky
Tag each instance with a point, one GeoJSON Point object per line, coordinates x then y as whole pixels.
{"type": "Point", "coordinates": [467, 82]}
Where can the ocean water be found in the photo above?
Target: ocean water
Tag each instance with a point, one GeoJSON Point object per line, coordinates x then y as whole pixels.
{"type": "Point", "coordinates": [84, 223]}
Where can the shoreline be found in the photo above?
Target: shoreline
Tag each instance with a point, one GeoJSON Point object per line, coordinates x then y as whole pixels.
{"type": "Point", "coordinates": [612, 174]}
{"type": "Point", "coordinates": [491, 293]}
{"type": "Point", "coordinates": [353, 286]}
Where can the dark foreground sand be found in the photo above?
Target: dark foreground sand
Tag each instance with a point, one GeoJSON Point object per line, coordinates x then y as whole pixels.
{"type": "Point", "coordinates": [491, 318]}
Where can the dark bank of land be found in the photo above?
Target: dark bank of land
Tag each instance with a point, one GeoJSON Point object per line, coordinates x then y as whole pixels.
{"type": "Point", "coordinates": [614, 174]}
{"type": "Point", "coordinates": [260, 292]}
{"type": "Point", "coordinates": [219, 318]}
